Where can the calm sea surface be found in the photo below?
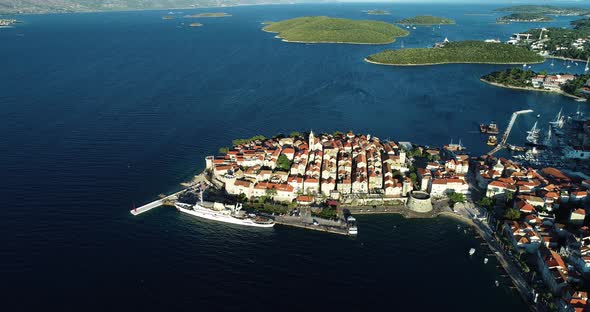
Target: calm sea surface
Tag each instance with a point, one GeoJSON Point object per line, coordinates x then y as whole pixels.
{"type": "Point", "coordinates": [101, 110]}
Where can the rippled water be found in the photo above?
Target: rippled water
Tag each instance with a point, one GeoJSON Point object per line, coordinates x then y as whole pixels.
{"type": "Point", "coordinates": [102, 110]}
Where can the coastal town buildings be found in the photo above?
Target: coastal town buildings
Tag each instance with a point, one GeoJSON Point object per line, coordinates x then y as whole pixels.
{"type": "Point", "coordinates": [321, 166]}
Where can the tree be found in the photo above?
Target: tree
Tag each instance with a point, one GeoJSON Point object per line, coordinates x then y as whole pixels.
{"type": "Point", "coordinates": [294, 134]}
{"type": "Point", "coordinates": [509, 196]}
{"type": "Point", "coordinates": [413, 177]}
{"type": "Point", "coordinates": [224, 150]}
{"type": "Point", "coordinates": [337, 133]}
{"type": "Point", "coordinates": [242, 198]}
{"type": "Point", "coordinates": [512, 214]}
{"type": "Point", "coordinates": [456, 198]}
{"type": "Point", "coordinates": [485, 202]}
{"type": "Point", "coordinates": [283, 163]}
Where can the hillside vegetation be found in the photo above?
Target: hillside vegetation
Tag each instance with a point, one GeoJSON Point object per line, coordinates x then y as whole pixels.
{"type": "Point", "coordinates": [525, 17]}
{"type": "Point", "coordinates": [322, 29]}
{"type": "Point", "coordinates": [458, 52]}
{"type": "Point", "coordinates": [544, 9]}
{"type": "Point", "coordinates": [426, 20]}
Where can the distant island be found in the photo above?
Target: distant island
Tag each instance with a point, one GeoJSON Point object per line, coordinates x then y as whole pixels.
{"type": "Point", "coordinates": [378, 12]}
{"type": "Point", "coordinates": [215, 14]}
{"type": "Point", "coordinates": [322, 29]}
{"type": "Point", "coordinates": [426, 20]}
{"type": "Point", "coordinates": [522, 79]}
{"type": "Point", "coordinates": [167, 17]}
{"type": "Point", "coordinates": [73, 6]}
{"type": "Point", "coordinates": [457, 52]}
{"type": "Point", "coordinates": [524, 17]}
{"type": "Point", "coordinates": [196, 25]}
{"type": "Point", "coordinates": [545, 9]}
{"type": "Point", "coordinates": [7, 22]}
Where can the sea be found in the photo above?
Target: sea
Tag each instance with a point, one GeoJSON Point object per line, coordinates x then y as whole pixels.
{"type": "Point", "coordinates": [101, 111]}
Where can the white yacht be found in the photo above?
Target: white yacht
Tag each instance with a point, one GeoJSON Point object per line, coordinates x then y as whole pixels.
{"type": "Point", "coordinates": [351, 223]}
{"type": "Point", "coordinates": [221, 213]}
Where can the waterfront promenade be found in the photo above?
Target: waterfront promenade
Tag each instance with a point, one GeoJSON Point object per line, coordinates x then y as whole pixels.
{"type": "Point", "coordinates": [468, 215]}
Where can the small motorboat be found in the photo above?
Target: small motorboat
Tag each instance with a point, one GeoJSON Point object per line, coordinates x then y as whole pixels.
{"type": "Point", "coordinates": [471, 251]}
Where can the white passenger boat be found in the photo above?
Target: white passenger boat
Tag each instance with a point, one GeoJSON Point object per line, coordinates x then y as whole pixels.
{"type": "Point", "coordinates": [352, 227]}
{"type": "Point", "coordinates": [222, 214]}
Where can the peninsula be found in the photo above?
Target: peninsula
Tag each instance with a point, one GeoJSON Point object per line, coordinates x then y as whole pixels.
{"type": "Point", "coordinates": [426, 20]}
{"type": "Point", "coordinates": [323, 29]}
{"type": "Point", "coordinates": [568, 43]}
{"type": "Point", "coordinates": [524, 18]}
{"type": "Point", "coordinates": [545, 9]}
{"type": "Point", "coordinates": [214, 14]}
{"type": "Point", "coordinates": [457, 52]}
{"type": "Point", "coordinates": [516, 78]}
{"type": "Point", "coordinates": [317, 181]}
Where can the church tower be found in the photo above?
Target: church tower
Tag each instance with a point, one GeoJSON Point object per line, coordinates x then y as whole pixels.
{"type": "Point", "coordinates": [311, 140]}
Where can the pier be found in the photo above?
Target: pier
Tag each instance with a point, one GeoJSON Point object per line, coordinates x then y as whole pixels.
{"type": "Point", "coordinates": [502, 143]}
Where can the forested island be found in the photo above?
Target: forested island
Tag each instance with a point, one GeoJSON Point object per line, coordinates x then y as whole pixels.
{"type": "Point", "coordinates": [545, 9]}
{"type": "Point", "coordinates": [322, 29]}
{"type": "Point", "coordinates": [426, 20]}
{"type": "Point", "coordinates": [516, 78]}
{"type": "Point", "coordinates": [524, 17]}
{"type": "Point", "coordinates": [457, 52]}
{"type": "Point", "coordinates": [214, 14]}
{"type": "Point", "coordinates": [378, 12]}
{"type": "Point", "coordinates": [572, 43]}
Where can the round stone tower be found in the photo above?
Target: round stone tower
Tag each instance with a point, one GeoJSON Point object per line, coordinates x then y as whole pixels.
{"type": "Point", "coordinates": [419, 201]}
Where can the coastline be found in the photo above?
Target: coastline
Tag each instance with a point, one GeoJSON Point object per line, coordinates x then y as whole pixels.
{"type": "Point", "coordinates": [565, 58]}
{"type": "Point", "coordinates": [531, 89]}
{"type": "Point", "coordinates": [336, 42]}
{"type": "Point", "coordinates": [447, 63]}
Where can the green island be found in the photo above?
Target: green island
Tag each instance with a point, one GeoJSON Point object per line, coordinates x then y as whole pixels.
{"type": "Point", "coordinates": [426, 20]}
{"type": "Point", "coordinates": [568, 43]}
{"type": "Point", "coordinates": [323, 29]}
{"type": "Point", "coordinates": [545, 9]}
{"type": "Point", "coordinates": [195, 25]}
{"type": "Point", "coordinates": [516, 78]}
{"type": "Point", "coordinates": [167, 17]}
{"type": "Point", "coordinates": [524, 17]}
{"type": "Point", "coordinates": [214, 14]}
{"type": "Point", "coordinates": [457, 52]}
{"type": "Point", "coordinates": [378, 12]}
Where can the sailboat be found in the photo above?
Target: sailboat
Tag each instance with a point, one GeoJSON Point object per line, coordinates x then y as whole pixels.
{"type": "Point", "coordinates": [547, 141]}
{"type": "Point", "coordinates": [552, 64]}
{"type": "Point", "coordinates": [587, 68]}
{"type": "Point", "coordinates": [533, 134]}
{"type": "Point", "coordinates": [559, 120]}
{"type": "Point", "coordinates": [524, 65]}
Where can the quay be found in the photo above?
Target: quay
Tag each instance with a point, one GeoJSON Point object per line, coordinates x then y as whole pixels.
{"type": "Point", "coordinates": [201, 178]}
{"type": "Point", "coordinates": [300, 223]}
{"type": "Point", "coordinates": [486, 233]}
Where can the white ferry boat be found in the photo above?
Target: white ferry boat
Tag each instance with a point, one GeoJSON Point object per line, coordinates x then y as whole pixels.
{"type": "Point", "coordinates": [222, 214]}
{"type": "Point", "coordinates": [352, 227]}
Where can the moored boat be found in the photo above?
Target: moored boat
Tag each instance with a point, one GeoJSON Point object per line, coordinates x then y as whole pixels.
{"type": "Point", "coordinates": [222, 214]}
{"type": "Point", "coordinates": [493, 128]}
{"type": "Point", "coordinates": [492, 141]}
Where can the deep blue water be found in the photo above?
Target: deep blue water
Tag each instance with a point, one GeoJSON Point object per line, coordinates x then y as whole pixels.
{"type": "Point", "coordinates": [101, 110]}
